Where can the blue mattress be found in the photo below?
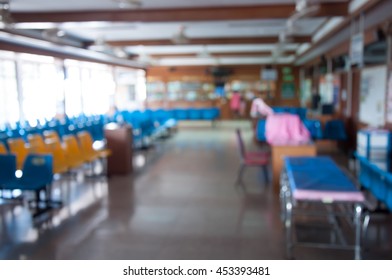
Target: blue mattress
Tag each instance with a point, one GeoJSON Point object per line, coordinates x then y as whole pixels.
{"type": "Point", "coordinates": [317, 173]}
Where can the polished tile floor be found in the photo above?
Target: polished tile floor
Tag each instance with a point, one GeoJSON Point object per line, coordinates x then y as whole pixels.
{"type": "Point", "coordinates": [180, 203]}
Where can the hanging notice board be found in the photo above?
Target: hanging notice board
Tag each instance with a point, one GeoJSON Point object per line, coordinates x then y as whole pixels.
{"type": "Point", "coordinates": [372, 95]}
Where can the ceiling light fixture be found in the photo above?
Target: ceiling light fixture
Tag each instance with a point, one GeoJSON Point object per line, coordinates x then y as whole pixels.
{"type": "Point", "coordinates": [6, 20]}
{"type": "Point", "coordinates": [204, 53]}
{"type": "Point", "coordinates": [120, 52]}
{"type": "Point", "coordinates": [122, 4]}
{"type": "Point", "coordinates": [180, 38]}
{"type": "Point", "coordinates": [53, 34]}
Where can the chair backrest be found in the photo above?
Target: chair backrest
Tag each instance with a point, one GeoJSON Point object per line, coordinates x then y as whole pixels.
{"type": "Point", "coordinates": [335, 130]}
{"type": "Point", "coordinates": [260, 130]}
{"type": "Point", "coordinates": [38, 168]}
{"type": "Point", "coordinates": [59, 159]}
{"type": "Point", "coordinates": [17, 147]}
{"type": "Point", "coordinates": [240, 143]}
{"type": "Point", "coordinates": [71, 146]}
{"type": "Point", "coordinates": [3, 149]}
{"type": "Point", "coordinates": [85, 142]}
{"type": "Point", "coordinates": [8, 168]}
{"type": "Point", "coordinates": [86, 145]}
{"type": "Point", "coordinates": [37, 144]}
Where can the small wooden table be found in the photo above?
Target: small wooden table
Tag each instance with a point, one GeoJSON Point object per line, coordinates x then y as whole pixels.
{"type": "Point", "coordinates": [278, 154]}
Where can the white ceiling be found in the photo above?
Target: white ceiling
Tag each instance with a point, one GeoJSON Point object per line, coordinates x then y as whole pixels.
{"type": "Point", "coordinates": [211, 48]}
{"type": "Point", "coordinates": [74, 5]}
{"type": "Point", "coordinates": [133, 32]}
{"type": "Point", "coordinates": [205, 29]}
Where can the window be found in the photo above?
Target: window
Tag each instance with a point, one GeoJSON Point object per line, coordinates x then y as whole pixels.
{"type": "Point", "coordinates": [98, 87]}
{"type": "Point", "coordinates": [131, 90]}
{"type": "Point", "coordinates": [42, 88]}
{"type": "Point", "coordinates": [9, 105]}
{"type": "Point", "coordinates": [73, 89]}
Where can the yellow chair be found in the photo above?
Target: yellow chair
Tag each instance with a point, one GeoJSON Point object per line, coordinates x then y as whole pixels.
{"type": "Point", "coordinates": [37, 144]}
{"type": "Point", "coordinates": [3, 149]}
{"type": "Point", "coordinates": [86, 144]}
{"type": "Point", "coordinates": [73, 153]}
{"type": "Point", "coordinates": [18, 147]}
{"type": "Point", "coordinates": [60, 162]}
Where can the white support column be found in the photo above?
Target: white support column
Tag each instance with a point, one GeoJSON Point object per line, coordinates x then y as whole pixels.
{"type": "Point", "coordinates": [19, 87]}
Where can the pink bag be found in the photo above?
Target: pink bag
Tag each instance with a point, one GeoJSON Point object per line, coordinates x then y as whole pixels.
{"type": "Point", "coordinates": [286, 129]}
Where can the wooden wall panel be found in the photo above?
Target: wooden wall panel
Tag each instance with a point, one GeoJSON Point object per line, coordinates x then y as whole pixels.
{"type": "Point", "coordinates": [242, 73]}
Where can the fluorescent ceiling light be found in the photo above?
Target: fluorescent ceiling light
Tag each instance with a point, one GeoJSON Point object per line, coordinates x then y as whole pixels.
{"type": "Point", "coordinates": [327, 27]}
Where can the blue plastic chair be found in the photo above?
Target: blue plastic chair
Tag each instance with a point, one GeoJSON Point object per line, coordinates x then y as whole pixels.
{"type": "Point", "coordinates": [194, 114]}
{"type": "Point", "coordinates": [37, 173]}
{"type": "Point", "coordinates": [37, 176]}
{"type": "Point", "coordinates": [260, 130]}
{"type": "Point", "coordinates": [335, 130]}
{"type": "Point", "coordinates": [210, 113]}
{"type": "Point", "coordinates": [314, 127]}
{"type": "Point", "coordinates": [377, 182]}
{"type": "Point", "coordinates": [388, 198]}
{"type": "Point", "coordinates": [364, 175]}
{"type": "Point", "coordinates": [278, 110]}
{"type": "Point", "coordinates": [8, 168]}
{"type": "Point", "coordinates": [181, 114]}
{"type": "Point", "coordinates": [302, 112]}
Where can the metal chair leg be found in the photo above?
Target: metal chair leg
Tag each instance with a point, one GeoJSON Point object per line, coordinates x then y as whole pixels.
{"type": "Point", "coordinates": [240, 173]}
{"type": "Point", "coordinates": [265, 171]}
{"type": "Point", "coordinates": [365, 226]}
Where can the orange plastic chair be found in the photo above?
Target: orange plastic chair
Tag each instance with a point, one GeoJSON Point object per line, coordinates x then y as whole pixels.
{"type": "Point", "coordinates": [73, 153]}
{"type": "Point", "coordinates": [51, 134]}
{"type": "Point", "coordinates": [60, 163]}
{"type": "Point", "coordinates": [18, 147]}
{"type": "Point", "coordinates": [37, 144]}
{"type": "Point", "coordinates": [3, 149]}
{"type": "Point", "coordinates": [86, 144]}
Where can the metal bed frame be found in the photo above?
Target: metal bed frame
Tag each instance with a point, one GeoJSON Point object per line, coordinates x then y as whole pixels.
{"type": "Point", "coordinates": [343, 203]}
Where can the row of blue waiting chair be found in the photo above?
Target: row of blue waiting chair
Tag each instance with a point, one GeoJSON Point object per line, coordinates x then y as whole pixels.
{"type": "Point", "coordinates": [93, 124]}
{"type": "Point", "coordinates": [146, 124]}
{"type": "Point", "coordinates": [301, 112]}
{"type": "Point", "coordinates": [375, 180]}
{"type": "Point", "coordinates": [149, 124]}
{"type": "Point", "coordinates": [161, 115]}
{"type": "Point", "coordinates": [333, 130]}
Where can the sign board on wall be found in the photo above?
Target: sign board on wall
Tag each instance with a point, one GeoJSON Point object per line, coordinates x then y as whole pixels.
{"type": "Point", "coordinates": [288, 91]}
{"type": "Point", "coordinates": [269, 74]}
{"type": "Point", "coordinates": [288, 86]}
{"type": "Point", "coordinates": [372, 96]}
